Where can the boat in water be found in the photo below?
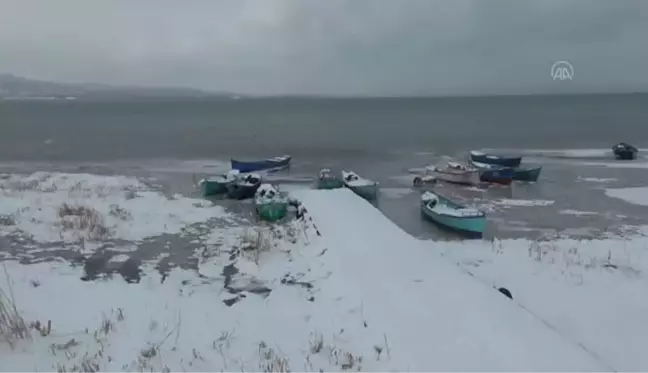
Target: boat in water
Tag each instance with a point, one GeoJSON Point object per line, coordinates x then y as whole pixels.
{"type": "Point", "coordinates": [326, 180]}
{"type": "Point", "coordinates": [495, 159]}
{"type": "Point", "coordinates": [270, 164]}
{"type": "Point", "coordinates": [218, 185]}
{"type": "Point", "coordinates": [244, 187]}
{"type": "Point", "coordinates": [625, 151]}
{"type": "Point", "coordinates": [364, 188]}
{"type": "Point", "coordinates": [519, 173]}
{"type": "Point", "coordinates": [269, 204]}
{"type": "Point", "coordinates": [456, 173]}
{"type": "Point", "coordinates": [452, 215]}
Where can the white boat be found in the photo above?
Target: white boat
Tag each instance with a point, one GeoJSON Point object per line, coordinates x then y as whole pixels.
{"type": "Point", "coordinates": [457, 173]}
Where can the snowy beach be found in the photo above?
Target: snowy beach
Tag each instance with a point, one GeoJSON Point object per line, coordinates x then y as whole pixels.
{"type": "Point", "coordinates": [86, 287]}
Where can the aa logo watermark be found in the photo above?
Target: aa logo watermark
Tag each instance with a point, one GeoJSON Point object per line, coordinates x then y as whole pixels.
{"type": "Point", "coordinates": [562, 70]}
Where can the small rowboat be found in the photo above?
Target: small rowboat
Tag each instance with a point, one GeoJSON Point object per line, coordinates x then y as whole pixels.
{"type": "Point", "coordinates": [218, 185]}
{"type": "Point", "coordinates": [520, 173]}
{"type": "Point", "coordinates": [452, 215]}
{"type": "Point", "coordinates": [500, 160]}
{"type": "Point", "coordinates": [269, 203]}
{"type": "Point", "coordinates": [275, 163]}
{"type": "Point", "coordinates": [244, 187]}
{"type": "Point", "coordinates": [456, 173]}
{"type": "Point", "coordinates": [327, 180]}
{"type": "Point", "coordinates": [364, 188]}
{"type": "Point", "coordinates": [625, 151]}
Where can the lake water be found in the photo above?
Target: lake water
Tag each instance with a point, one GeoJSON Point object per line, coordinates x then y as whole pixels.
{"type": "Point", "coordinates": [179, 141]}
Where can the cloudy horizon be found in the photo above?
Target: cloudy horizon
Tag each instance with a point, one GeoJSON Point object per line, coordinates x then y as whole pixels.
{"type": "Point", "coordinates": [345, 47]}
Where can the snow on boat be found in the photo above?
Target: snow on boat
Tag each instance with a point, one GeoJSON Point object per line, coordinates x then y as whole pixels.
{"type": "Point", "coordinates": [625, 151]}
{"type": "Point", "coordinates": [500, 160]}
{"type": "Point", "coordinates": [244, 187]}
{"type": "Point", "coordinates": [365, 188]}
{"type": "Point", "coordinates": [270, 205]}
{"type": "Point", "coordinates": [218, 185]}
{"type": "Point", "coordinates": [327, 180]}
{"type": "Point", "coordinates": [457, 173]}
{"type": "Point", "coordinates": [452, 215]}
{"type": "Point", "coordinates": [275, 163]}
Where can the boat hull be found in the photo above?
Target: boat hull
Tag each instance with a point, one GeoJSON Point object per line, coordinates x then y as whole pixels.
{"type": "Point", "coordinates": [527, 174]}
{"type": "Point", "coordinates": [473, 226]}
{"type": "Point", "coordinates": [458, 177]}
{"type": "Point", "coordinates": [272, 211]}
{"type": "Point", "coordinates": [626, 155]}
{"type": "Point", "coordinates": [266, 164]}
{"type": "Point", "coordinates": [241, 191]}
{"type": "Point", "coordinates": [504, 161]}
{"type": "Point", "coordinates": [212, 188]}
{"type": "Point", "coordinates": [330, 183]}
{"type": "Point", "coordinates": [502, 176]}
{"type": "Point", "coordinates": [368, 192]}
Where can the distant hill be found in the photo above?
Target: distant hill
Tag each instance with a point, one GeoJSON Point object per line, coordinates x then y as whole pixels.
{"type": "Point", "coordinates": [19, 88]}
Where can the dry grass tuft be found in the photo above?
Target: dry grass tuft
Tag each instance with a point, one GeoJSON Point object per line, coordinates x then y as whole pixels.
{"type": "Point", "coordinates": [7, 220]}
{"type": "Point", "coordinates": [12, 325]}
{"type": "Point", "coordinates": [84, 218]}
{"type": "Point", "coordinates": [256, 242]}
{"type": "Point", "coordinates": [271, 362]}
{"type": "Point", "coordinates": [316, 343]}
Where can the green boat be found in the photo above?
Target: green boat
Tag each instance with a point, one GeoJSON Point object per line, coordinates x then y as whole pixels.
{"type": "Point", "coordinates": [452, 215]}
{"type": "Point", "coordinates": [218, 185]}
{"type": "Point", "coordinates": [327, 180]}
{"type": "Point", "coordinates": [364, 188]}
{"type": "Point", "coordinates": [270, 205]}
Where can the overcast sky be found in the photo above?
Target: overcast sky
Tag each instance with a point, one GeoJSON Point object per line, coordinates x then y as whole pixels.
{"type": "Point", "coordinates": [378, 47]}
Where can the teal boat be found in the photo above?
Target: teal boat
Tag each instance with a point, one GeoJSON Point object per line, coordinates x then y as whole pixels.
{"type": "Point", "coordinates": [451, 215]}
{"type": "Point", "coordinates": [270, 205]}
{"type": "Point", "coordinates": [526, 174]}
{"type": "Point", "coordinates": [364, 188]}
{"type": "Point", "coordinates": [327, 180]}
{"type": "Point", "coordinates": [219, 184]}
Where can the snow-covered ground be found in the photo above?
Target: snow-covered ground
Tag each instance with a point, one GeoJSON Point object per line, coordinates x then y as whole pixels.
{"type": "Point", "coordinates": [342, 289]}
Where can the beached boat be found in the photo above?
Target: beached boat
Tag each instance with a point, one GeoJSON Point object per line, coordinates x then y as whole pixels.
{"type": "Point", "coordinates": [269, 203]}
{"type": "Point", "coordinates": [244, 187]}
{"type": "Point", "coordinates": [624, 151]}
{"type": "Point", "coordinates": [218, 185]}
{"type": "Point", "coordinates": [266, 164]}
{"type": "Point", "coordinates": [452, 215]}
{"type": "Point", "coordinates": [365, 188]}
{"type": "Point", "coordinates": [500, 160]}
{"type": "Point", "coordinates": [519, 173]}
{"type": "Point", "coordinates": [457, 173]}
{"type": "Point", "coordinates": [327, 180]}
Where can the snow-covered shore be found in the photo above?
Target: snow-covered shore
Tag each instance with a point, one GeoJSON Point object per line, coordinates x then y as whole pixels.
{"type": "Point", "coordinates": [347, 290]}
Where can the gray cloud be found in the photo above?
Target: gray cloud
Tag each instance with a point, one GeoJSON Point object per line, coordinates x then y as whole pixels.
{"type": "Point", "coordinates": [331, 46]}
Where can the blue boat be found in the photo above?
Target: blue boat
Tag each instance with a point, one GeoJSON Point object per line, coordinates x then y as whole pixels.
{"type": "Point", "coordinates": [500, 160]}
{"type": "Point", "coordinates": [451, 215]}
{"type": "Point", "coordinates": [519, 173]}
{"type": "Point", "coordinates": [275, 163]}
{"type": "Point", "coordinates": [502, 175]}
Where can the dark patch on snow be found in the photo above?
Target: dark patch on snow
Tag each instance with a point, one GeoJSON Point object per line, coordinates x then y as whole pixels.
{"type": "Point", "coordinates": [506, 292]}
